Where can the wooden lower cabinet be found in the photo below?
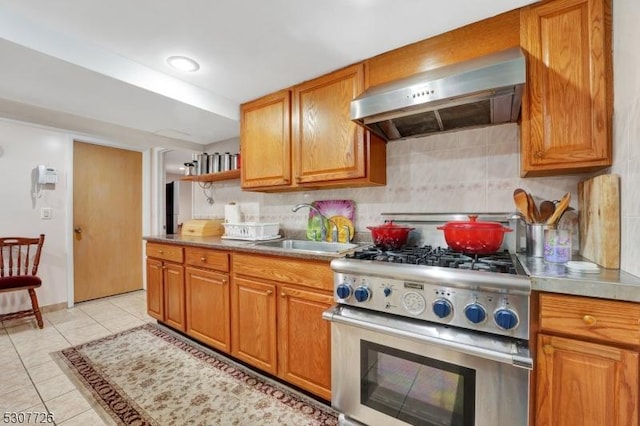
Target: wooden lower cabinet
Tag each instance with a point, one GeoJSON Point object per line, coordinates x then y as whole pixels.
{"type": "Point", "coordinates": [277, 324]}
{"type": "Point", "coordinates": [583, 384]}
{"type": "Point", "coordinates": [254, 323]}
{"type": "Point", "coordinates": [165, 284]}
{"type": "Point", "coordinates": [207, 303]}
{"type": "Point", "coordinates": [263, 310]}
{"type": "Point", "coordinates": [165, 293]}
{"type": "Point", "coordinates": [155, 289]}
{"type": "Point", "coordinates": [304, 340]}
{"type": "Point", "coordinates": [587, 366]}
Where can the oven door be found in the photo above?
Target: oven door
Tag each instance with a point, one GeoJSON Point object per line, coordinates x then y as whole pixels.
{"type": "Point", "coordinates": [397, 371]}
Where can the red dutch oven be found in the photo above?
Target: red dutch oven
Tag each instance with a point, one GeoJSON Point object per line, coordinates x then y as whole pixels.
{"type": "Point", "coordinates": [390, 235]}
{"type": "Point", "coordinates": [473, 236]}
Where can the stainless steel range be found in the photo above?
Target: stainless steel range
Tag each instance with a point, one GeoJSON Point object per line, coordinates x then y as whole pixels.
{"type": "Point", "coordinates": [427, 336]}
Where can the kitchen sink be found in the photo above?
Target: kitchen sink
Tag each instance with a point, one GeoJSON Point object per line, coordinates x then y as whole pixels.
{"type": "Point", "coordinates": [310, 246]}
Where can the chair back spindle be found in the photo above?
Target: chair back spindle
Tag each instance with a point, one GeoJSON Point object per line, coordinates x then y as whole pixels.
{"type": "Point", "coordinates": [20, 256]}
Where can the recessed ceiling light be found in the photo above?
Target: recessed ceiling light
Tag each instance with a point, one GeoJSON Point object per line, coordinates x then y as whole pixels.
{"type": "Point", "coordinates": [182, 63]}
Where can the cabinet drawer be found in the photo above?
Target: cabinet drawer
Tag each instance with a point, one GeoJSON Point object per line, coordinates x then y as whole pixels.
{"type": "Point", "coordinates": [607, 320]}
{"type": "Point", "coordinates": [305, 272]}
{"type": "Point", "coordinates": [165, 252]}
{"type": "Point", "coordinates": [207, 258]}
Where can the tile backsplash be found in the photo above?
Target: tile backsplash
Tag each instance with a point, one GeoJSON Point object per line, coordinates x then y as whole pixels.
{"type": "Point", "coordinates": [472, 171]}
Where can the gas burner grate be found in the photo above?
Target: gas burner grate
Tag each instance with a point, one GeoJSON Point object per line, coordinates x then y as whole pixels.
{"type": "Point", "coordinates": [500, 262]}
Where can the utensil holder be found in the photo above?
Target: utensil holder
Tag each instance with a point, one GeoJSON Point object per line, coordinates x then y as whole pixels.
{"type": "Point", "coordinates": [557, 245]}
{"type": "Point", "coordinates": [535, 238]}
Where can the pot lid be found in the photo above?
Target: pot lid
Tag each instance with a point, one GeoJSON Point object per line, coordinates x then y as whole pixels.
{"type": "Point", "coordinates": [390, 225]}
{"type": "Point", "coordinates": [473, 223]}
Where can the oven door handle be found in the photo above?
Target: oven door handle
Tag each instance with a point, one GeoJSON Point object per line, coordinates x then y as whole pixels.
{"type": "Point", "coordinates": [516, 353]}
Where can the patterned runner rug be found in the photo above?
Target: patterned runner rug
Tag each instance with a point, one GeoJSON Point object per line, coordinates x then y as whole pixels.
{"type": "Point", "coordinates": [151, 376]}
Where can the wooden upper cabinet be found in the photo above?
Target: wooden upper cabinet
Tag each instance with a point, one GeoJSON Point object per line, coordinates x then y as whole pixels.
{"type": "Point", "coordinates": [309, 141]}
{"type": "Point", "coordinates": [480, 38]}
{"type": "Point", "coordinates": [567, 104]}
{"type": "Point", "coordinates": [327, 144]}
{"type": "Point", "coordinates": [265, 141]}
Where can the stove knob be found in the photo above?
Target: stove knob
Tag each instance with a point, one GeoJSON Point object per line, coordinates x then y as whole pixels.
{"type": "Point", "coordinates": [442, 308]}
{"type": "Point", "coordinates": [387, 291]}
{"type": "Point", "coordinates": [362, 294]}
{"type": "Point", "coordinates": [505, 318]}
{"type": "Point", "coordinates": [475, 313]}
{"type": "Point", "coordinates": [343, 291]}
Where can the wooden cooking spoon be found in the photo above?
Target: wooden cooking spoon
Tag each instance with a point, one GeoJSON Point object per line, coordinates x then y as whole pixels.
{"type": "Point", "coordinates": [521, 200]}
{"type": "Point", "coordinates": [546, 210]}
{"type": "Point", "coordinates": [560, 208]}
{"type": "Point", "coordinates": [533, 210]}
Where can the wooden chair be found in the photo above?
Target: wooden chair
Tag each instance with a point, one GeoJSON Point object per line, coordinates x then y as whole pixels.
{"type": "Point", "coordinates": [19, 259]}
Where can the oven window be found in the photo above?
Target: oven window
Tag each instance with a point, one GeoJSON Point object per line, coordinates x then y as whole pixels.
{"type": "Point", "coordinates": [416, 389]}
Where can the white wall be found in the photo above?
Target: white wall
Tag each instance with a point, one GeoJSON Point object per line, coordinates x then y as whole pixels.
{"type": "Point", "coordinates": [24, 147]}
{"type": "Point", "coordinates": [626, 125]}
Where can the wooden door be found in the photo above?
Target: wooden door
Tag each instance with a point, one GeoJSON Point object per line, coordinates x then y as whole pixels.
{"type": "Point", "coordinates": [304, 340]}
{"type": "Point", "coordinates": [107, 216]}
{"type": "Point", "coordinates": [253, 323]}
{"type": "Point", "coordinates": [174, 307]}
{"type": "Point", "coordinates": [207, 304]}
{"type": "Point", "coordinates": [327, 144]}
{"type": "Point", "coordinates": [266, 141]}
{"type": "Point", "coordinates": [155, 289]}
{"type": "Point", "coordinates": [585, 384]}
{"type": "Point", "coordinates": [568, 102]}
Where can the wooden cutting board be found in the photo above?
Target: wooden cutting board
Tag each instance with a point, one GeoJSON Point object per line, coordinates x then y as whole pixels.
{"type": "Point", "coordinates": [599, 218]}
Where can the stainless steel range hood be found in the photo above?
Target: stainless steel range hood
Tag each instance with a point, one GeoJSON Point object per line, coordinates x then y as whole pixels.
{"type": "Point", "coordinates": [478, 92]}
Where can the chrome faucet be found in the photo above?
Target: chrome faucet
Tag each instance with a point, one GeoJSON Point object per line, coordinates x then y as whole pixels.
{"type": "Point", "coordinates": [323, 227]}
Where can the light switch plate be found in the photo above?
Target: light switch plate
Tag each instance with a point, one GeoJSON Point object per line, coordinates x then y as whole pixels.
{"type": "Point", "coordinates": [46, 213]}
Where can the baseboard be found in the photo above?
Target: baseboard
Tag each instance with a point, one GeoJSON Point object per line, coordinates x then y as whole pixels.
{"type": "Point", "coordinates": [53, 308]}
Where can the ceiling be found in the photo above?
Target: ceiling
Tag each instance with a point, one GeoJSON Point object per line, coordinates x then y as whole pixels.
{"type": "Point", "coordinates": [106, 60]}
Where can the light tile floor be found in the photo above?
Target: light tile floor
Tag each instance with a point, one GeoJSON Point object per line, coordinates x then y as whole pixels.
{"type": "Point", "coordinates": [33, 382]}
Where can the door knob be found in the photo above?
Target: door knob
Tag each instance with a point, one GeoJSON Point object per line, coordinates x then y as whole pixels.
{"type": "Point", "coordinates": [77, 230]}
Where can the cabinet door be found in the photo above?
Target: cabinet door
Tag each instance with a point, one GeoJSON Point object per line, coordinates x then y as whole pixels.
{"type": "Point", "coordinates": [567, 104]}
{"type": "Point", "coordinates": [207, 304]}
{"type": "Point", "coordinates": [586, 384]}
{"type": "Point", "coordinates": [155, 289]}
{"type": "Point", "coordinates": [327, 144]}
{"type": "Point", "coordinates": [304, 340]}
{"type": "Point", "coordinates": [254, 323]}
{"type": "Point", "coordinates": [173, 275]}
{"type": "Point", "coordinates": [265, 141]}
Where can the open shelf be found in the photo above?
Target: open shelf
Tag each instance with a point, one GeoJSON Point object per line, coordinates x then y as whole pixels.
{"type": "Point", "coordinates": [212, 177]}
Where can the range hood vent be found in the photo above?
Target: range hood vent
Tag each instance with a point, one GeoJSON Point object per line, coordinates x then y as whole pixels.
{"type": "Point", "coordinates": [475, 93]}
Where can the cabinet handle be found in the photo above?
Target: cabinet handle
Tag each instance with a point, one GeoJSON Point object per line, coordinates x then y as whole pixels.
{"type": "Point", "coordinates": [161, 251]}
{"type": "Point", "coordinates": [203, 259]}
{"type": "Point", "coordinates": [269, 292]}
{"type": "Point", "coordinates": [224, 281]}
{"type": "Point", "coordinates": [589, 320]}
{"type": "Point", "coordinates": [548, 349]}
{"type": "Point", "coordinates": [283, 294]}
